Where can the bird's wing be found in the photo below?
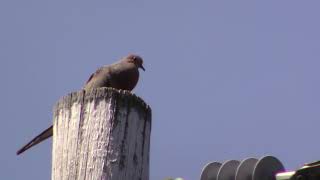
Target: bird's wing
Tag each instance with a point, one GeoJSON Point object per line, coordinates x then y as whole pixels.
{"type": "Point", "coordinates": [94, 74]}
{"type": "Point", "coordinates": [41, 137]}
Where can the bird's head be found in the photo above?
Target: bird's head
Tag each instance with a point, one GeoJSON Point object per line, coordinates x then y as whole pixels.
{"type": "Point", "coordinates": [136, 60]}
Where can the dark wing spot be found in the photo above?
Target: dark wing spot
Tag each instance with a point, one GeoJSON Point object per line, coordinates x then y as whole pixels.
{"type": "Point", "coordinates": [90, 78]}
{"type": "Point", "coordinates": [94, 74]}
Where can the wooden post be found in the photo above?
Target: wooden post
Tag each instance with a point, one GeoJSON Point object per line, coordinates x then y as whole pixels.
{"type": "Point", "coordinates": [102, 134]}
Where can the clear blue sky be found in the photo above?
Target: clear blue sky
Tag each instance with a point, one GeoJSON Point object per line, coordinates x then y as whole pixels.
{"type": "Point", "coordinates": [225, 79]}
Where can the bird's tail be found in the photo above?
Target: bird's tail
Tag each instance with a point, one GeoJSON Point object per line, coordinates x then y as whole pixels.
{"type": "Point", "coordinates": [41, 137]}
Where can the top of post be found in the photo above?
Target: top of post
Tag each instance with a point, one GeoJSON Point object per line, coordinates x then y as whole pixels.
{"type": "Point", "coordinates": [101, 93]}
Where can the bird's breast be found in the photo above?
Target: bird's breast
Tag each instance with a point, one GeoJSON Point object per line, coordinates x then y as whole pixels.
{"type": "Point", "coordinates": [126, 80]}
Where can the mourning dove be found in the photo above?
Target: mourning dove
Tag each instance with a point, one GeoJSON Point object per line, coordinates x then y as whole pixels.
{"type": "Point", "coordinates": [123, 74]}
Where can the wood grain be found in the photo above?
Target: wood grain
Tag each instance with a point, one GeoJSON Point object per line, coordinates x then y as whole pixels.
{"type": "Point", "coordinates": [101, 134]}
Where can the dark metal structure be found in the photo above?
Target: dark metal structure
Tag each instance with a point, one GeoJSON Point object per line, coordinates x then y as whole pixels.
{"type": "Point", "coordinates": [265, 168]}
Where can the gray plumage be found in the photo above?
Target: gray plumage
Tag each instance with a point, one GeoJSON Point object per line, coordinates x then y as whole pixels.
{"type": "Point", "coordinates": [123, 74]}
{"type": "Point", "coordinates": [120, 75]}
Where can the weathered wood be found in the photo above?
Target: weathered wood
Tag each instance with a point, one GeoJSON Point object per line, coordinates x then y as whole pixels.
{"type": "Point", "coordinates": [101, 134]}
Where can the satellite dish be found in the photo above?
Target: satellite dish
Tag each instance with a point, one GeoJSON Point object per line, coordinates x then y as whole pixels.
{"type": "Point", "coordinates": [266, 168]}
{"type": "Point", "coordinates": [210, 171]}
{"type": "Point", "coordinates": [245, 169]}
{"type": "Point", "coordinates": [228, 170]}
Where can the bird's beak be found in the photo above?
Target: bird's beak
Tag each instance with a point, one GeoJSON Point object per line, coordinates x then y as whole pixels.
{"type": "Point", "coordinates": [142, 68]}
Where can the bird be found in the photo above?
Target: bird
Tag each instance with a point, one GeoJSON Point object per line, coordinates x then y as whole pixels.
{"type": "Point", "coordinates": [123, 74]}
